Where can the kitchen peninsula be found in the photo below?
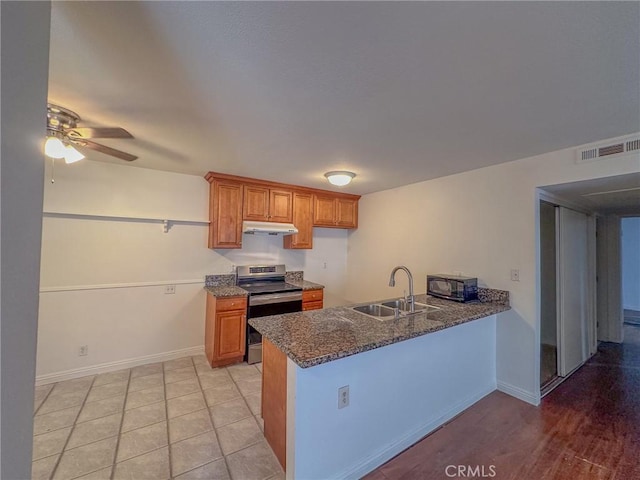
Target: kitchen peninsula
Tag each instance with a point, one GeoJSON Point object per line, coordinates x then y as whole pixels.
{"type": "Point", "coordinates": [405, 377]}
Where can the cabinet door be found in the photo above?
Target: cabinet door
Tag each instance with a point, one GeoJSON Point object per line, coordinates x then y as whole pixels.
{"type": "Point", "coordinates": [230, 334]}
{"type": "Point", "coordinates": [346, 213]}
{"type": "Point", "coordinates": [323, 211]}
{"type": "Point", "coordinates": [256, 203]}
{"type": "Point", "coordinates": [225, 230]}
{"type": "Point", "coordinates": [303, 220]}
{"type": "Point", "coordinates": [280, 206]}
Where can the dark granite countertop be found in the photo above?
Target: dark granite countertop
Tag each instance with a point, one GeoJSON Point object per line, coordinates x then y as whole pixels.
{"type": "Point", "coordinates": [320, 336]}
{"type": "Point", "coordinates": [305, 284]}
{"type": "Point", "coordinates": [226, 291]}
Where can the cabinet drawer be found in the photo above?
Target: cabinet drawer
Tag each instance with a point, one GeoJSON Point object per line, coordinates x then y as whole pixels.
{"type": "Point", "coordinates": [312, 306]}
{"type": "Point", "coordinates": [231, 303]}
{"type": "Point", "coordinates": [312, 295]}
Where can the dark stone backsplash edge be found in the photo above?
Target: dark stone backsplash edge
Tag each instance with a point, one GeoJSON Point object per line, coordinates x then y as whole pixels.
{"type": "Point", "coordinates": [223, 280]}
{"type": "Point", "coordinates": [229, 279]}
{"type": "Point", "coordinates": [494, 296]}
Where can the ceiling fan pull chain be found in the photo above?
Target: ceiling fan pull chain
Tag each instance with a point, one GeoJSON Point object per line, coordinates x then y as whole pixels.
{"type": "Point", "coordinates": [53, 164]}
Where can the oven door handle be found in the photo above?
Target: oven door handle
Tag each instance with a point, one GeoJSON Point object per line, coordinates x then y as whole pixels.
{"type": "Point", "coordinates": [274, 298]}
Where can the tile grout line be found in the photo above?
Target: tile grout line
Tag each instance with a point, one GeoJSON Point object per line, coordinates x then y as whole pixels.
{"type": "Point", "coordinates": [166, 413]}
{"type": "Point", "coordinates": [73, 427]}
{"type": "Point", "coordinates": [242, 395]}
{"type": "Point", "coordinates": [124, 404]}
{"type": "Point", "coordinates": [35, 413]}
{"type": "Point", "coordinates": [215, 432]}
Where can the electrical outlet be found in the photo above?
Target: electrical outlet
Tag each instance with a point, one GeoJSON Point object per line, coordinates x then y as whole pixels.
{"type": "Point", "coordinates": [343, 396]}
{"type": "Point", "coordinates": [515, 275]}
{"type": "Point", "coordinates": [83, 351]}
{"type": "Point", "coordinates": [324, 265]}
{"type": "Point", "coordinates": [169, 289]}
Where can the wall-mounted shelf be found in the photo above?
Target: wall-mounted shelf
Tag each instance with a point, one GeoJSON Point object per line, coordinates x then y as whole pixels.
{"type": "Point", "coordinates": [166, 223]}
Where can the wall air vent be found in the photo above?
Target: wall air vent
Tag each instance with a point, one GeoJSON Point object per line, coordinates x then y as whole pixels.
{"type": "Point", "coordinates": [633, 145]}
{"type": "Point", "coordinates": [593, 152]}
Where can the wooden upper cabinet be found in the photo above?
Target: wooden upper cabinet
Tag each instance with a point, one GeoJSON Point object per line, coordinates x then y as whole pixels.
{"type": "Point", "coordinates": [233, 199]}
{"type": "Point", "coordinates": [225, 212]}
{"type": "Point", "coordinates": [336, 212]}
{"type": "Point", "coordinates": [264, 204]}
{"type": "Point", "coordinates": [346, 213]}
{"type": "Point", "coordinates": [280, 206]}
{"type": "Point", "coordinates": [303, 220]}
{"type": "Point", "coordinates": [324, 211]}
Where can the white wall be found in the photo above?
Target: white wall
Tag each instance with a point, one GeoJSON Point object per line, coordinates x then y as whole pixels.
{"type": "Point", "coordinates": [482, 223]}
{"type": "Point", "coordinates": [397, 394]}
{"type": "Point", "coordinates": [25, 64]}
{"type": "Point", "coordinates": [631, 263]}
{"type": "Point", "coordinates": [102, 280]}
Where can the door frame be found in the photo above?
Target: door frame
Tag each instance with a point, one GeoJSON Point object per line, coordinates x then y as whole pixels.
{"type": "Point", "coordinates": [542, 195]}
{"type": "Point", "coordinates": [609, 287]}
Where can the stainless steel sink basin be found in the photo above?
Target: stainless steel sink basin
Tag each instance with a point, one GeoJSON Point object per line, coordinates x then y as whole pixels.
{"type": "Point", "coordinates": [401, 305]}
{"type": "Point", "coordinates": [387, 310]}
{"type": "Point", "coordinates": [375, 310]}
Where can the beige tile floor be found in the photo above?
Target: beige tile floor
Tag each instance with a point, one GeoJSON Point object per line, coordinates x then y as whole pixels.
{"type": "Point", "coordinates": [178, 419]}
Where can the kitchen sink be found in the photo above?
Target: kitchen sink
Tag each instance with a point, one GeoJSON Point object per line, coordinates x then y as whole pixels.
{"type": "Point", "coordinates": [402, 305]}
{"type": "Point", "coordinates": [375, 310]}
{"type": "Point", "coordinates": [387, 310]}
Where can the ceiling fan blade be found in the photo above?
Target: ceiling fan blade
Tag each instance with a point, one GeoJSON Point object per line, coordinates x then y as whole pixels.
{"type": "Point", "coordinates": [106, 150]}
{"type": "Point", "coordinates": [98, 132]}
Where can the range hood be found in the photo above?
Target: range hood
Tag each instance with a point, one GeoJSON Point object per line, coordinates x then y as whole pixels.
{"type": "Point", "coordinates": [269, 228]}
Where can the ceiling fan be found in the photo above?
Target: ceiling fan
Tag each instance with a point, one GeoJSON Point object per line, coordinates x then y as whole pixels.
{"type": "Point", "coordinates": [63, 133]}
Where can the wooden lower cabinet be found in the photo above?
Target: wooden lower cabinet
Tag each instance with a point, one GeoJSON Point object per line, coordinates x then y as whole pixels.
{"type": "Point", "coordinates": [274, 399]}
{"type": "Point", "coordinates": [225, 330]}
{"type": "Point", "coordinates": [312, 300]}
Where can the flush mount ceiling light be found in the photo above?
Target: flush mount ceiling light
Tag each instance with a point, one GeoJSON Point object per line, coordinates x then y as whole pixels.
{"type": "Point", "coordinates": [340, 178]}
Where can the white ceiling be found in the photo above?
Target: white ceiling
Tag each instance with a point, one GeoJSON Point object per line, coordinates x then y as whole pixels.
{"type": "Point", "coordinates": [396, 92]}
{"type": "Point", "coordinates": [618, 195]}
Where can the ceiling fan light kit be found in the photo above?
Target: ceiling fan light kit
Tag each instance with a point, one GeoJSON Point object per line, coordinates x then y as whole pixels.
{"type": "Point", "coordinates": [63, 133]}
{"type": "Point", "coordinates": [340, 178]}
{"type": "Point", "coordinates": [54, 147]}
{"type": "Point", "coordinates": [71, 155]}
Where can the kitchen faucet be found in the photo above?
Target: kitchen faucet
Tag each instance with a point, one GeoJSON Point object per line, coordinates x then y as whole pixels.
{"type": "Point", "coordinates": [392, 283]}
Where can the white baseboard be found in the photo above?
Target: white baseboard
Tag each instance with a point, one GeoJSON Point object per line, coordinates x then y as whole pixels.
{"type": "Point", "coordinates": [117, 365]}
{"type": "Point", "coordinates": [519, 393]}
{"type": "Point", "coordinates": [388, 452]}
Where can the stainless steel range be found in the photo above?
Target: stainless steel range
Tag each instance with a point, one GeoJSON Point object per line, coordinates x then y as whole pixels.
{"type": "Point", "coordinates": [269, 294]}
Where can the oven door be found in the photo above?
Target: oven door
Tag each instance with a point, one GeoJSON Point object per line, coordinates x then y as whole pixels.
{"type": "Point", "coordinates": [263, 306]}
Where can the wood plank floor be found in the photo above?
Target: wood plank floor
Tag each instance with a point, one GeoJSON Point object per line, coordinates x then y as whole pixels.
{"type": "Point", "coordinates": [587, 428]}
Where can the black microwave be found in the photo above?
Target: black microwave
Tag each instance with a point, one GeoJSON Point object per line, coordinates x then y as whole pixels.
{"type": "Point", "coordinates": [453, 287]}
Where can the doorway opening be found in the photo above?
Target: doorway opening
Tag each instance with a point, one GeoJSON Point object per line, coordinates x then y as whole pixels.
{"type": "Point", "coordinates": [630, 255]}
{"type": "Point", "coordinates": [565, 305]}
{"type": "Point", "coordinates": [612, 205]}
